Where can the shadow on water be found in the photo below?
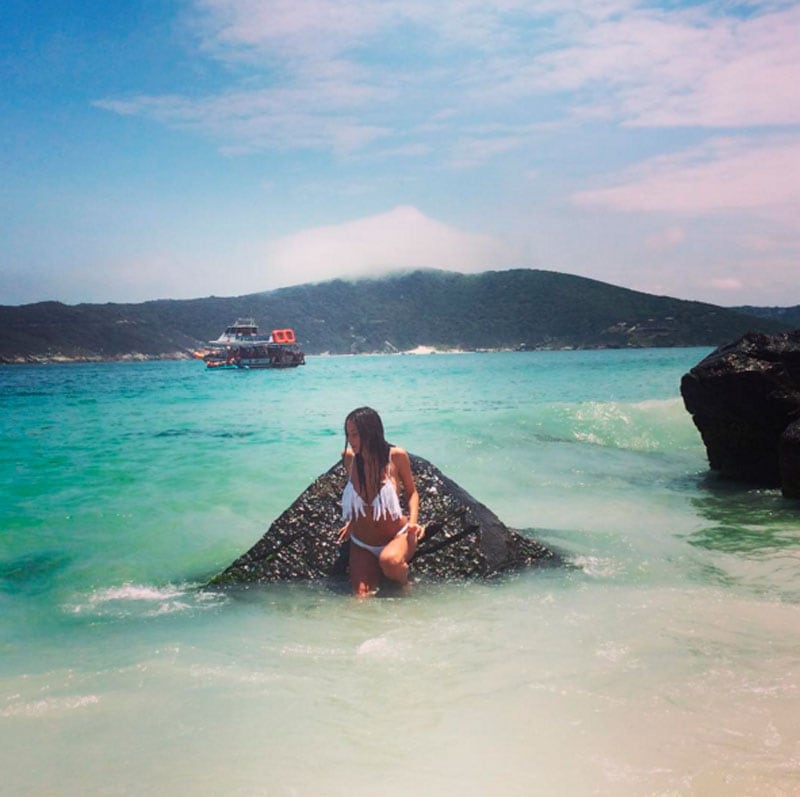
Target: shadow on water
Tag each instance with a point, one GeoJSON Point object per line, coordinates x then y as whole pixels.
{"type": "Point", "coordinates": [32, 573]}
{"type": "Point", "coordinates": [744, 519]}
{"type": "Point", "coordinates": [223, 433]}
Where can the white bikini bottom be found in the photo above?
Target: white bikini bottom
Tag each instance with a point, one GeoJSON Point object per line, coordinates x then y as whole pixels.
{"type": "Point", "coordinates": [375, 550]}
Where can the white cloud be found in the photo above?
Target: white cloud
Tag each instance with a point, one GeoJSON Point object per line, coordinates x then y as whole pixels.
{"type": "Point", "coordinates": [313, 29]}
{"type": "Point", "coordinates": [723, 175]}
{"type": "Point", "coordinates": [741, 200]}
{"type": "Point", "coordinates": [517, 85]}
{"type": "Point", "coordinates": [309, 117]}
{"type": "Point", "coordinates": [738, 73]}
{"type": "Point", "coordinates": [312, 75]}
{"type": "Point", "coordinates": [403, 238]}
{"type": "Point", "coordinates": [646, 66]}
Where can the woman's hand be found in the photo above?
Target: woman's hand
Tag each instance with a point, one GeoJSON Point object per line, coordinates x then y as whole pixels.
{"type": "Point", "coordinates": [344, 533]}
{"type": "Point", "coordinates": [416, 533]}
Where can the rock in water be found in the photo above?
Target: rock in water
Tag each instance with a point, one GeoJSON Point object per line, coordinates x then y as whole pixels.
{"type": "Point", "coordinates": [744, 398]}
{"type": "Point", "coordinates": [790, 460]}
{"type": "Point", "coordinates": [464, 538]}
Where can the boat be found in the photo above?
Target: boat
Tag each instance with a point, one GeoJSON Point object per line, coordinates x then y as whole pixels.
{"type": "Point", "coordinates": [241, 345]}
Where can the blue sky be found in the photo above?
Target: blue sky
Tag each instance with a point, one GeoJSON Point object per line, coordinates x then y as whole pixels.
{"type": "Point", "coordinates": [177, 150]}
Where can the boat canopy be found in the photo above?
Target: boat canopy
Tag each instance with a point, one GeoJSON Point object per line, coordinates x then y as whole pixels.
{"type": "Point", "coordinates": [244, 327]}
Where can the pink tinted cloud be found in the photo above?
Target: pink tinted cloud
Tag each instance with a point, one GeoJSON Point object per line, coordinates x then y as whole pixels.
{"type": "Point", "coordinates": [651, 67]}
{"type": "Point", "coordinates": [734, 73]}
{"type": "Point", "coordinates": [667, 239]}
{"type": "Point", "coordinates": [723, 175]}
{"type": "Point", "coordinates": [320, 84]}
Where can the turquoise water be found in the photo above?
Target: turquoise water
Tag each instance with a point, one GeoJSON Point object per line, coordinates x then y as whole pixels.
{"type": "Point", "coordinates": [664, 660]}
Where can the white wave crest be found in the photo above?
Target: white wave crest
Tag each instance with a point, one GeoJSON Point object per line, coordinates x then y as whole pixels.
{"type": "Point", "coordinates": [642, 426]}
{"type": "Point", "coordinates": [42, 708]}
{"type": "Point", "coordinates": [596, 566]}
{"type": "Point", "coordinates": [379, 647]}
{"type": "Point", "coordinates": [140, 600]}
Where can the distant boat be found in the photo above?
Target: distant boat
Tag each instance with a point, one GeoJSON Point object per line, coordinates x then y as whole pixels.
{"type": "Point", "coordinates": [242, 346]}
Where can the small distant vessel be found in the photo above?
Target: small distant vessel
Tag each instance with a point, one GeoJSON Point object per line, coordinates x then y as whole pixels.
{"type": "Point", "coordinates": [242, 346]}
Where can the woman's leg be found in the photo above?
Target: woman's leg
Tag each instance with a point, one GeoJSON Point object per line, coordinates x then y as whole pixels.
{"type": "Point", "coordinates": [365, 572]}
{"type": "Point", "coordinates": [394, 558]}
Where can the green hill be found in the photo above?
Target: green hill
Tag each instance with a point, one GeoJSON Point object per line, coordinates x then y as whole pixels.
{"type": "Point", "coordinates": [521, 309]}
{"type": "Point", "coordinates": [786, 315]}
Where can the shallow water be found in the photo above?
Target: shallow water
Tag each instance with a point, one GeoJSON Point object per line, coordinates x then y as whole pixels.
{"type": "Point", "coordinates": [662, 660]}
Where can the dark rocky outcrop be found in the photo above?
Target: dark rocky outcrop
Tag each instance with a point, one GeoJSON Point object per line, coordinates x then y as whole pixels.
{"type": "Point", "coordinates": [464, 538]}
{"type": "Point", "coordinates": [745, 401]}
{"type": "Point", "coordinates": [790, 460]}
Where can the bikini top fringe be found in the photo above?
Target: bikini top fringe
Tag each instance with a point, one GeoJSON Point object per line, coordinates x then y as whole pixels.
{"type": "Point", "coordinates": [386, 503]}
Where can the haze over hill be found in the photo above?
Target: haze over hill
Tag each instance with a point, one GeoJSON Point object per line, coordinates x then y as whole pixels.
{"type": "Point", "coordinates": [522, 309]}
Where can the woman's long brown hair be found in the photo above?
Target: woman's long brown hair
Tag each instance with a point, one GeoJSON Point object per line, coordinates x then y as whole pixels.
{"type": "Point", "coordinates": [370, 468]}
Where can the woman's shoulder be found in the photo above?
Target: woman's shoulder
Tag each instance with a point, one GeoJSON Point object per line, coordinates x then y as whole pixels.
{"type": "Point", "coordinates": [399, 457]}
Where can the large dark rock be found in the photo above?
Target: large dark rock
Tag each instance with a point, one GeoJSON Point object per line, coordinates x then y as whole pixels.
{"type": "Point", "coordinates": [744, 397]}
{"type": "Point", "coordinates": [790, 460]}
{"type": "Point", "coordinates": [464, 538]}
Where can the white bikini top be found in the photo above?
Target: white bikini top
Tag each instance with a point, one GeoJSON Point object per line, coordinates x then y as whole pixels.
{"type": "Point", "coordinates": [386, 504]}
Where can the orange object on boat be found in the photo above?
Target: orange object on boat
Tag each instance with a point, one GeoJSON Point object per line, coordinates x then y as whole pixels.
{"type": "Point", "coordinates": [283, 336]}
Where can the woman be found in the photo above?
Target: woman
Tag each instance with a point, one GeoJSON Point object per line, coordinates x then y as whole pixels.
{"type": "Point", "coordinates": [382, 538]}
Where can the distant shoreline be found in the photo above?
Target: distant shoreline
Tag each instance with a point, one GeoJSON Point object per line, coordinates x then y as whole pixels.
{"type": "Point", "coordinates": [418, 351]}
{"type": "Point", "coordinates": [58, 359]}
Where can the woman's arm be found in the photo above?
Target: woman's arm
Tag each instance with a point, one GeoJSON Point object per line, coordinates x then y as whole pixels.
{"type": "Point", "coordinates": [402, 465]}
{"type": "Point", "coordinates": [347, 459]}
